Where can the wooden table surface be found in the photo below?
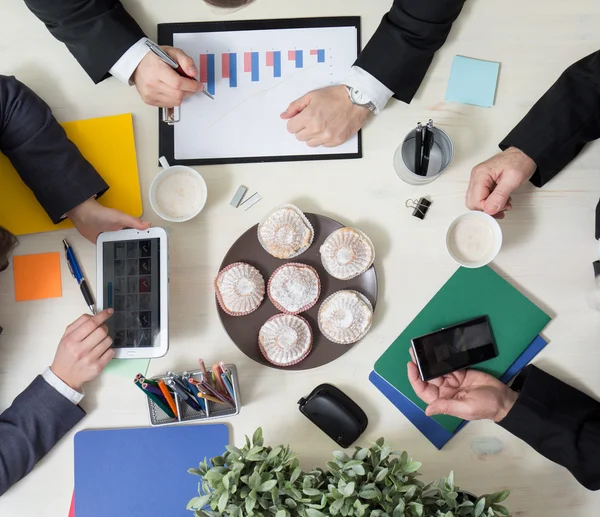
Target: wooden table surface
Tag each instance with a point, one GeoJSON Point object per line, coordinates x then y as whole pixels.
{"type": "Point", "coordinates": [548, 251]}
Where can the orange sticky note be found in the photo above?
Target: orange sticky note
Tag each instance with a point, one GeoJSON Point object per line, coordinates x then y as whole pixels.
{"type": "Point", "coordinates": [37, 276]}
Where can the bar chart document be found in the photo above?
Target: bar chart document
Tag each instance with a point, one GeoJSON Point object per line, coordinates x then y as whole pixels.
{"type": "Point", "coordinates": [254, 70]}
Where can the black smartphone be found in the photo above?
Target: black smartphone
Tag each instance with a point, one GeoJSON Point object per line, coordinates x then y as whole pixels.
{"type": "Point", "coordinates": [454, 348]}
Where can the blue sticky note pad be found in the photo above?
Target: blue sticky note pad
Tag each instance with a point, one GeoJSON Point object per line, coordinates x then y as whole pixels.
{"type": "Point", "coordinates": [473, 81]}
{"type": "Point", "coordinates": [142, 472]}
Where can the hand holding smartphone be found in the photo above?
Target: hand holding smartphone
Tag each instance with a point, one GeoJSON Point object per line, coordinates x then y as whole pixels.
{"type": "Point", "coordinates": [454, 348]}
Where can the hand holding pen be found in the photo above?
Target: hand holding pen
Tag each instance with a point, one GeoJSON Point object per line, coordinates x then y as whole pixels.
{"type": "Point", "coordinates": [187, 72]}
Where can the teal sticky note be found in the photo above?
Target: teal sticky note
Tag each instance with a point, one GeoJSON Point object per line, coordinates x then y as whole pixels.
{"type": "Point", "coordinates": [473, 81]}
{"type": "Point", "coordinates": [127, 368]}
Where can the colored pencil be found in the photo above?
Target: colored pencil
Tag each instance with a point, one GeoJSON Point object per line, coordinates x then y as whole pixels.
{"type": "Point", "coordinates": [157, 401]}
{"type": "Point", "coordinates": [228, 386]}
{"type": "Point", "coordinates": [168, 397]}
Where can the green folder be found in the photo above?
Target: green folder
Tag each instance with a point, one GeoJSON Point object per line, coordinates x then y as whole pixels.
{"type": "Point", "coordinates": [469, 293]}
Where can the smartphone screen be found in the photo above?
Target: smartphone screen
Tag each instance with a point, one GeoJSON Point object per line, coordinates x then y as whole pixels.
{"type": "Point", "coordinates": [454, 348]}
{"type": "Point", "coordinates": [132, 289]}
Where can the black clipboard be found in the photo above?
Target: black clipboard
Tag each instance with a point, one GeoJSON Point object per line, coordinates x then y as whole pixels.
{"type": "Point", "coordinates": [166, 132]}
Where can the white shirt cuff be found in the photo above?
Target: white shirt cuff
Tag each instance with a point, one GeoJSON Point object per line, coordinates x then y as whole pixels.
{"type": "Point", "coordinates": [66, 391]}
{"type": "Point", "coordinates": [123, 69]}
{"type": "Point", "coordinates": [377, 92]}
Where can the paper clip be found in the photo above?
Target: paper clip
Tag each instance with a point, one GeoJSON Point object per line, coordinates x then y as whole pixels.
{"type": "Point", "coordinates": [420, 207]}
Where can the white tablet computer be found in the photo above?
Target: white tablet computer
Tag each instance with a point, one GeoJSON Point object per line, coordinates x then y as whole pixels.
{"type": "Point", "coordinates": [132, 277]}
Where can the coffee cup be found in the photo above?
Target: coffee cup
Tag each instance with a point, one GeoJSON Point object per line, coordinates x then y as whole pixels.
{"type": "Point", "coordinates": [474, 239]}
{"type": "Point", "coordinates": [177, 193]}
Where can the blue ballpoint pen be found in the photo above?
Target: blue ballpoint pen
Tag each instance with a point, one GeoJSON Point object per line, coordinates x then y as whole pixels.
{"type": "Point", "coordinates": [78, 275]}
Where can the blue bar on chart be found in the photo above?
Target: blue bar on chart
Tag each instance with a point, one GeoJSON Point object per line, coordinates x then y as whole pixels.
{"type": "Point", "coordinates": [296, 55]}
{"type": "Point", "coordinates": [229, 68]}
{"type": "Point", "coordinates": [255, 76]}
{"type": "Point", "coordinates": [207, 72]}
{"type": "Point", "coordinates": [320, 53]}
{"type": "Point", "coordinates": [274, 60]}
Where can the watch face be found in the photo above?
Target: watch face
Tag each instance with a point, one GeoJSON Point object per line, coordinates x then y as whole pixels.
{"type": "Point", "coordinates": [359, 98]}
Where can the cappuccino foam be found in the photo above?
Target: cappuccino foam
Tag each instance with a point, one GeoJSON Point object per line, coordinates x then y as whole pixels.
{"type": "Point", "coordinates": [180, 194]}
{"type": "Point", "coordinates": [472, 240]}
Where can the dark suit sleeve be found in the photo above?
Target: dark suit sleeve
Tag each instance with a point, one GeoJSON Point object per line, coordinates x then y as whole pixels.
{"type": "Point", "coordinates": [400, 52]}
{"type": "Point", "coordinates": [37, 419]}
{"type": "Point", "coordinates": [560, 124]}
{"type": "Point", "coordinates": [96, 32]}
{"type": "Point", "coordinates": [47, 161]}
{"type": "Point", "coordinates": [560, 422]}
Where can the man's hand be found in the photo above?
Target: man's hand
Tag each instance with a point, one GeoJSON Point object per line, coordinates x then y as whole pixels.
{"type": "Point", "coordinates": [325, 117]}
{"type": "Point", "coordinates": [84, 350]}
{"type": "Point", "coordinates": [159, 85]}
{"type": "Point", "coordinates": [91, 219]}
{"type": "Point", "coordinates": [467, 394]}
{"type": "Point", "coordinates": [493, 181]}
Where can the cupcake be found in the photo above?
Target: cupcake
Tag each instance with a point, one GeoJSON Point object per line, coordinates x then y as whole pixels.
{"type": "Point", "coordinates": [345, 317]}
{"type": "Point", "coordinates": [285, 340]}
{"type": "Point", "coordinates": [347, 253]}
{"type": "Point", "coordinates": [240, 289]}
{"type": "Point", "coordinates": [294, 288]}
{"type": "Point", "coordinates": [285, 233]}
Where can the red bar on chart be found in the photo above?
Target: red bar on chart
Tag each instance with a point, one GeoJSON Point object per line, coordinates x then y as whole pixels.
{"type": "Point", "coordinates": [203, 68]}
{"type": "Point", "coordinates": [291, 55]}
{"type": "Point", "coordinates": [270, 59]}
{"type": "Point", "coordinates": [314, 52]}
{"type": "Point", "coordinates": [225, 65]}
{"type": "Point", "coordinates": [247, 61]}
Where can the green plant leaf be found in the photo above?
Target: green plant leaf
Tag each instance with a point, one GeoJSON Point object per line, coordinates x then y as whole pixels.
{"type": "Point", "coordinates": [254, 481]}
{"type": "Point", "coordinates": [295, 474]}
{"type": "Point", "coordinates": [498, 508]}
{"type": "Point", "coordinates": [416, 508]}
{"type": "Point", "coordinates": [312, 512]}
{"type": "Point", "coordinates": [348, 490]}
{"type": "Point", "coordinates": [195, 472]}
{"type": "Point", "coordinates": [257, 436]}
{"type": "Point", "coordinates": [336, 506]}
{"type": "Point", "coordinates": [361, 454]}
{"type": "Point", "coordinates": [341, 455]}
{"type": "Point", "coordinates": [380, 441]}
{"type": "Point", "coordinates": [250, 504]}
{"type": "Point", "coordinates": [359, 470]}
{"type": "Point", "coordinates": [499, 497]}
{"type": "Point", "coordinates": [479, 507]}
{"type": "Point", "coordinates": [197, 503]}
{"type": "Point", "coordinates": [410, 493]}
{"type": "Point", "coordinates": [412, 466]}
{"type": "Point", "coordinates": [223, 500]}
{"type": "Point", "coordinates": [369, 494]}
{"type": "Point", "coordinates": [450, 480]}
{"type": "Point", "coordinates": [399, 510]}
{"type": "Point", "coordinates": [381, 475]}
{"type": "Point", "coordinates": [311, 491]}
{"type": "Point", "coordinates": [281, 513]}
{"type": "Point", "coordinates": [267, 485]}
{"type": "Point", "coordinates": [290, 503]}
{"type": "Point", "coordinates": [232, 449]}
{"type": "Point", "coordinates": [217, 461]}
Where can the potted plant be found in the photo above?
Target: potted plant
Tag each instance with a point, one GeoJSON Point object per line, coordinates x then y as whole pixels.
{"type": "Point", "coordinates": [263, 481]}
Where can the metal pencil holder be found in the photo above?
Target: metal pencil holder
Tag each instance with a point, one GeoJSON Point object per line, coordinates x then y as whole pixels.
{"type": "Point", "coordinates": [186, 414]}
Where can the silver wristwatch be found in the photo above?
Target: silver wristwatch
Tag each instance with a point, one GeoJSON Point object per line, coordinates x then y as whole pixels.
{"type": "Point", "coordinates": [360, 99]}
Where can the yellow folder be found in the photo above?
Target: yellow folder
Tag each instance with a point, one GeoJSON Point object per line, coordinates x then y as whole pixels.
{"type": "Point", "coordinates": [108, 144]}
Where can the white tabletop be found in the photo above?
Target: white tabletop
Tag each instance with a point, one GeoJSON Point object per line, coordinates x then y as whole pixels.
{"type": "Point", "coordinates": [549, 246]}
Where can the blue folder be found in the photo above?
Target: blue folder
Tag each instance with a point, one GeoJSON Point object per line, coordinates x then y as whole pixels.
{"type": "Point", "coordinates": [433, 431]}
{"type": "Point", "coordinates": [142, 472]}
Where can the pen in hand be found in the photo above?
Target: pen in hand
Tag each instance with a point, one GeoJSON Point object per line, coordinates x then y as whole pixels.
{"type": "Point", "coordinates": [78, 275]}
{"type": "Point", "coordinates": [165, 58]}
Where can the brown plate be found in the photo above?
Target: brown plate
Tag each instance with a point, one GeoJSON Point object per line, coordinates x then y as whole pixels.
{"type": "Point", "coordinates": [243, 330]}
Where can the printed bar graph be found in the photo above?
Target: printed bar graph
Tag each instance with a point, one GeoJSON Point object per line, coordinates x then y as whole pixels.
{"type": "Point", "coordinates": [251, 65]}
{"type": "Point", "coordinates": [274, 60]}
{"type": "Point", "coordinates": [207, 72]}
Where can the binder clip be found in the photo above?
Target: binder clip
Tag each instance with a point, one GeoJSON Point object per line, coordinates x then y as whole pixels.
{"type": "Point", "coordinates": [420, 207]}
